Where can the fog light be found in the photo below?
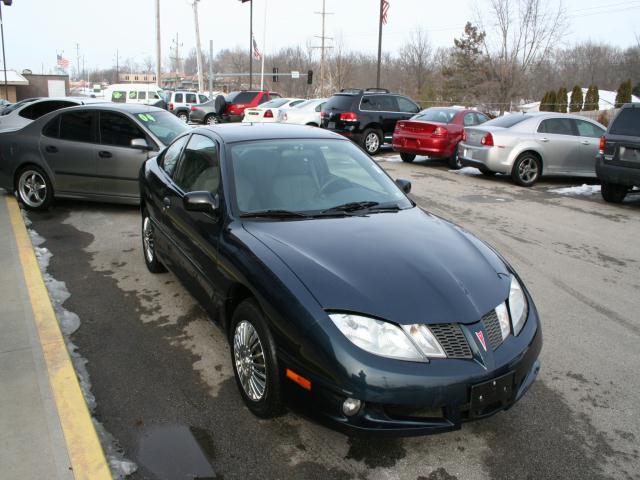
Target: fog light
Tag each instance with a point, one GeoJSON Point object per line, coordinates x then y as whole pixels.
{"type": "Point", "coordinates": [351, 406]}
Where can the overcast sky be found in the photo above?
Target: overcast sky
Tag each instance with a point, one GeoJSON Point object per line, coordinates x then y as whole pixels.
{"type": "Point", "coordinates": [36, 29]}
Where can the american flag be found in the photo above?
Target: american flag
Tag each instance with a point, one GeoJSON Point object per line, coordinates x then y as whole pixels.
{"type": "Point", "coordinates": [385, 11]}
{"type": "Point", "coordinates": [256, 53]}
{"type": "Point", "coordinates": [63, 62]}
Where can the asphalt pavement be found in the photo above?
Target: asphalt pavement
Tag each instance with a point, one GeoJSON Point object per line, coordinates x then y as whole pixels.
{"type": "Point", "coordinates": [161, 370]}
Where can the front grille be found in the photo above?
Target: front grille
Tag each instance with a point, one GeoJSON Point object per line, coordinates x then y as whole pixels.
{"type": "Point", "coordinates": [451, 339]}
{"type": "Point", "coordinates": [492, 327]}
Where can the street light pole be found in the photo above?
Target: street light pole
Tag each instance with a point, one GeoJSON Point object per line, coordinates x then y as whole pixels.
{"type": "Point", "coordinates": [158, 46]}
{"type": "Point", "coordinates": [4, 60]}
{"type": "Point", "coordinates": [250, 44]}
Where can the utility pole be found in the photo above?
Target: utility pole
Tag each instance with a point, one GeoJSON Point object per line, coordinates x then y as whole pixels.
{"type": "Point", "coordinates": [322, 46]}
{"type": "Point", "coordinates": [198, 47]}
{"type": "Point", "coordinates": [158, 44]}
{"type": "Point", "coordinates": [379, 43]}
{"type": "Point", "coordinates": [117, 65]}
{"type": "Point", "coordinates": [176, 49]}
{"type": "Point", "coordinates": [4, 60]}
{"type": "Point", "coordinates": [78, 58]}
{"type": "Point", "coordinates": [250, 44]}
{"type": "Point", "coordinates": [210, 68]}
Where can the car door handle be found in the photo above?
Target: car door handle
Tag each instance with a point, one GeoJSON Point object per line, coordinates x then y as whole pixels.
{"type": "Point", "coordinates": [51, 149]}
{"type": "Point", "coordinates": [104, 154]}
{"type": "Point", "coordinates": [585, 142]}
{"type": "Point", "coordinates": [166, 202]}
{"type": "Point", "coordinates": [544, 139]}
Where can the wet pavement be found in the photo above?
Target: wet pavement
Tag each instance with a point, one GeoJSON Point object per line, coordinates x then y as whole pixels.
{"type": "Point", "coordinates": [161, 370]}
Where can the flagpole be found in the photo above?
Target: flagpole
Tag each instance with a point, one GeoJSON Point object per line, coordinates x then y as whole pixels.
{"type": "Point", "coordinates": [264, 46]}
{"type": "Point", "coordinates": [379, 45]}
{"type": "Point", "coordinates": [250, 44]}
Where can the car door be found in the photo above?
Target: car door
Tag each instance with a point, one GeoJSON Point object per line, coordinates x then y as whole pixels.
{"type": "Point", "coordinates": [68, 144]}
{"type": "Point", "coordinates": [190, 99]}
{"type": "Point", "coordinates": [197, 232]}
{"type": "Point", "coordinates": [589, 136]}
{"type": "Point", "coordinates": [558, 143]}
{"type": "Point", "coordinates": [117, 163]}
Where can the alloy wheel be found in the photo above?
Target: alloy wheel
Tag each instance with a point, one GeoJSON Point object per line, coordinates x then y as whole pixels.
{"type": "Point", "coordinates": [372, 142]}
{"type": "Point", "coordinates": [32, 188]}
{"type": "Point", "coordinates": [212, 120]}
{"type": "Point", "coordinates": [147, 239]}
{"type": "Point", "coordinates": [250, 361]}
{"type": "Point", "coordinates": [528, 170]}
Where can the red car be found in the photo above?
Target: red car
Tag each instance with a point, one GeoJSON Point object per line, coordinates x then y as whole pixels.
{"type": "Point", "coordinates": [238, 101]}
{"type": "Point", "coordinates": [434, 132]}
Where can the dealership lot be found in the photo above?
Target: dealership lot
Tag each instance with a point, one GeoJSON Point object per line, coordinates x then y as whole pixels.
{"type": "Point", "coordinates": [162, 378]}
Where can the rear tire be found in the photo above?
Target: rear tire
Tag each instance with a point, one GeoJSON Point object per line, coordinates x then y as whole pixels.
{"type": "Point", "coordinates": [371, 141]}
{"type": "Point", "coordinates": [211, 120]}
{"type": "Point", "coordinates": [149, 245]}
{"type": "Point", "coordinates": [526, 170]}
{"type": "Point", "coordinates": [255, 365]}
{"type": "Point", "coordinates": [454, 160]}
{"type": "Point", "coordinates": [34, 188]}
{"type": "Point", "coordinates": [613, 192]}
{"type": "Point", "coordinates": [183, 116]}
{"type": "Point", "coordinates": [407, 157]}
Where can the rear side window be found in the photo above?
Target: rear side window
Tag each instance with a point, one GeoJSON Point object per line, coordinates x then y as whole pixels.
{"type": "Point", "coordinates": [203, 98]}
{"type": "Point", "coordinates": [469, 120]}
{"type": "Point", "coordinates": [36, 110]}
{"type": "Point", "coordinates": [52, 129]}
{"type": "Point", "coordinates": [177, 98]}
{"type": "Point", "coordinates": [142, 95]}
{"type": "Point", "coordinates": [588, 129]}
{"type": "Point", "coordinates": [119, 96]}
{"type": "Point", "coordinates": [171, 155]}
{"type": "Point", "coordinates": [339, 102]}
{"type": "Point", "coordinates": [406, 105]}
{"type": "Point", "coordinates": [627, 123]}
{"type": "Point", "coordinates": [379, 103]}
{"type": "Point", "coordinates": [133, 95]}
{"type": "Point", "coordinates": [507, 121]}
{"type": "Point", "coordinates": [557, 126]}
{"type": "Point", "coordinates": [77, 126]}
{"type": "Point", "coordinates": [191, 98]}
{"type": "Point", "coordinates": [118, 130]}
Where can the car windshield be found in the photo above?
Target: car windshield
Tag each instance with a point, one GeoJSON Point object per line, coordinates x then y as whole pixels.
{"type": "Point", "coordinates": [278, 102]}
{"type": "Point", "coordinates": [163, 125]}
{"type": "Point", "coordinates": [240, 97]}
{"type": "Point", "coordinates": [309, 176]}
{"type": "Point", "coordinates": [440, 115]}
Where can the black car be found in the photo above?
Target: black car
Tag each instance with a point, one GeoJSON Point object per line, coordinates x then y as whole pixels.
{"type": "Point", "coordinates": [618, 165]}
{"type": "Point", "coordinates": [337, 293]}
{"type": "Point", "coordinates": [368, 117]}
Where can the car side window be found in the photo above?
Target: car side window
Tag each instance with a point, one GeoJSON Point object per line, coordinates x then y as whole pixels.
{"type": "Point", "coordinates": [78, 126]}
{"type": "Point", "coordinates": [319, 107]}
{"type": "Point", "coordinates": [557, 126]}
{"type": "Point", "coordinates": [469, 120]}
{"type": "Point", "coordinates": [203, 98]}
{"type": "Point", "coordinates": [191, 98]}
{"type": "Point", "coordinates": [133, 95]}
{"type": "Point", "coordinates": [199, 168]}
{"type": "Point", "coordinates": [52, 129]}
{"type": "Point", "coordinates": [297, 102]}
{"type": "Point", "coordinates": [119, 96]}
{"type": "Point", "coordinates": [264, 98]}
{"type": "Point", "coordinates": [588, 129]}
{"type": "Point", "coordinates": [481, 118]}
{"type": "Point", "coordinates": [142, 95]}
{"type": "Point", "coordinates": [118, 130]}
{"type": "Point", "coordinates": [177, 98]}
{"type": "Point", "coordinates": [36, 110]}
{"type": "Point", "coordinates": [406, 105]}
{"type": "Point", "coordinates": [171, 155]}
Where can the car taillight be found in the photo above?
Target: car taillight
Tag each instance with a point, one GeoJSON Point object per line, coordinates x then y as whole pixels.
{"type": "Point", "coordinates": [193, 109]}
{"type": "Point", "coordinates": [399, 125]}
{"type": "Point", "coordinates": [324, 114]}
{"type": "Point", "coordinates": [487, 140]}
{"type": "Point", "coordinates": [440, 132]}
{"type": "Point", "coordinates": [268, 114]}
{"type": "Point", "coordinates": [171, 107]}
{"type": "Point", "coordinates": [464, 135]}
{"type": "Point", "coordinates": [285, 116]}
{"type": "Point", "coordinates": [349, 117]}
{"type": "Point", "coordinates": [603, 144]}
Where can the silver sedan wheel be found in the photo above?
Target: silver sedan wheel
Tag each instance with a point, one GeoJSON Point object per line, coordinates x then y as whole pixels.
{"type": "Point", "coordinates": [32, 188]}
{"type": "Point", "coordinates": [249, 360]}
{"type": "Point", "coordinates": [372, 142]}
{"type": "Point", "coordinates": [147, 239]}
{"type": "Point", "coordinates": [528, 170]}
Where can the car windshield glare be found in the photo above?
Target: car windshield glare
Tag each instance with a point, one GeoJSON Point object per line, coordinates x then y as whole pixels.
{"type": "Point", "coordinates": [309, 176]}
{"type": "Point", "coordinates": [163, 125]}
{"type": "Point", "coordinates": [275, 103]}
{"type": "Point", "coordinates": [440, 115]}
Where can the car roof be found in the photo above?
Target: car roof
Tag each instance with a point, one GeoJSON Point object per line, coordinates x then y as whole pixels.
{"type": "Point", "coordinates": [241, 132]}
{"type": "Point", "coordinates": [132, 108]}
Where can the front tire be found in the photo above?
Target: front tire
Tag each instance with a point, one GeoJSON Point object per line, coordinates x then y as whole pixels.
{"type": "Point", "coordinates": [183, 116]}
{"type": "Point", "coordinates": [211, 120]}
{"type": "Point", "coordinates": [255, 365]}
{"type": "Point", "coordinates": [407, 157]}
{"type": "Point", "coordinates": [371, 141]}
{"type": "Point", "coordinates": [149, 245]}
{"type": "Point", "coordinates": [526, 170]}
{"type": "Point", "coordinates": [613, 192]}
{"type": "Point", "coordinates": [454, 160]}
{"type": "Point", "coordinates": [34, 188]}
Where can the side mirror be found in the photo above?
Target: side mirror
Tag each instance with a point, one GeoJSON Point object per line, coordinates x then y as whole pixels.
{"type": "Point", "coordinates": [201, 202]}
{"type": "Point", "coordinates": [140, 144]}
{"type": "Point", "coordinates": [404, 185]}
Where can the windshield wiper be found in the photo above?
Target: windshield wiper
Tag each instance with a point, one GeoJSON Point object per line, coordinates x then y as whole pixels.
{"type": "Point", "coordinates": [351, 207]}
{"type": "Point", "coordinates": [273, 213]}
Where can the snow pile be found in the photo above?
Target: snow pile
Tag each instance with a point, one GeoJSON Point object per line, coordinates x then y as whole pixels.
{"type": "Point", "coordinates": [69, 323]}
{"type": "Point", "coordinates": [467, 171]}
{"type": "Point", "coordinates": [389, 158]}
{"type": "Point", "coordinates": [583, 189]}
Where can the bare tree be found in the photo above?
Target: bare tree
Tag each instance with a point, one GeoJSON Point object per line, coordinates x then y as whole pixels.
{"type": "Point", "coordinates": [524, 33]}
{"type": "Point", "coordinates": [340, 66]}
{"type": "Point", "coordinates": [415, 58]}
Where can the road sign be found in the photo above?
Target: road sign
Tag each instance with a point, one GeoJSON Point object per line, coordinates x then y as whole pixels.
{"type": "Point", "coordinates": [295, 74]}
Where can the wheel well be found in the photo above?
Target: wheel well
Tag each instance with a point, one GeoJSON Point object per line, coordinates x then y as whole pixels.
{"type": "Point", "coordinates": [30, 164]}
{"type": "Point", "coordinates": [312, 124]}
{"type": "Point", "coordinates": [236, 294]}
{"type": "Point", "coordinates": [535, 154]}
{"type": "Point", "coordinates": [374, 126]}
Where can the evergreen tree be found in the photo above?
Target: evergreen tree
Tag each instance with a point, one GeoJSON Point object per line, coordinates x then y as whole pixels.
{"type": "Point", "coordinates": [592, 99]}
{"type": "Point", "coordinates": [561, 100]}
{"type": "Point", "coordinates": [636, 90]}
{"type": "Point", "coordinates": [624, 93]}
{"type": "Point", "coordinates": [544, 102]}
{"type": "Point", "coordinates": [576, 99]}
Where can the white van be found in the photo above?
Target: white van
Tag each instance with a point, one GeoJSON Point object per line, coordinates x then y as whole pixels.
{"type": "Point", "coordinates": [145, 93]}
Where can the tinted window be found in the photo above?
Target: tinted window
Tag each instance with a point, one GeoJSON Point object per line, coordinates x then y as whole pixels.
{"type": "Point", "coordinates": [177, 98]}
{"type": "Point", "coordinates": [627, 123]}
{"type": "Point", "coordinates": [263, 99]}
{"type": "Point", "coordinates": [244, 97]}
{"type": "Point", "coordinates": [11, 108]}
{"type": "Point", "coordinates": [199, 169]}
{"type": "Point", "coordinates": [77, 126]}
{"type": "Point", "coordinates": [119, 96]}
{"type": "Point", "coordinates": [171, 155]}
{"type": "Point", "coordinates": [440, 115]}
{"type": "Point", "coordinates": [191, 98]}
{"type": "Point", "coordinates": [588, 129]}
{"type": "Point", "coordinates": [406, 105]}
{"type": "Point", "coordinates": [379, 103]}
{"type": "Point", "coordinates": [36, 110]}
{"type": "Point", "coordinates": [52, 128]}
{"type": "Point", "coordinates": [339, 102]}
{"type": "Point", "coordinates": [142, 95]}
{"type": "Point", "coordinates": [116, 129]}
{"type": "Point", "coordinates": [557, 126]}
{"type": "Point", "coordinates": [508, 121]}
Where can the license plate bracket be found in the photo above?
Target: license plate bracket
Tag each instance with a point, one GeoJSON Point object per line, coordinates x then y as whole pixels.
{"type": "Point", "coordinates": [331, 125]}
{"type": "Point", "coordinates": [629, 154]}
{"type": "Point", "coordinates": [493, 395]}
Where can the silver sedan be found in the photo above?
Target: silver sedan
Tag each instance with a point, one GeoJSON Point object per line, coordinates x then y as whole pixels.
{"type": "Point", "coordinates": [526, 146]}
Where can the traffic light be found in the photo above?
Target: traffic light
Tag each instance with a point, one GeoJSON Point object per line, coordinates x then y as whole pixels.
{"type": "Point", "coordinates": [310, 77]}
{"type": "Point", "coordinates": [275, 74]}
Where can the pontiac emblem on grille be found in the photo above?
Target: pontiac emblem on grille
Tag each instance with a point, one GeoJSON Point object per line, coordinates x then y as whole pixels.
{"type": "Point", "coordinates": [480, 336]}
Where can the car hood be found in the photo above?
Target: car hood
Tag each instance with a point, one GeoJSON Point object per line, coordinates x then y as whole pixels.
{"type": "Point", "coordinates": [407, 267]}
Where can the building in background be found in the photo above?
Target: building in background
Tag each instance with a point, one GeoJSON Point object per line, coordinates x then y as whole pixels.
{"type": "Point", "coordinates": [42, 86]}
{"type": "Point", "coordinates": [134, 77]}
{"type": "Point", "coordinates": [14, 80]}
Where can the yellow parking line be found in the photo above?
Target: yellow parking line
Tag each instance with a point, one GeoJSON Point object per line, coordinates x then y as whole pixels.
{"type": "Point", "coordinates": [85, 452]}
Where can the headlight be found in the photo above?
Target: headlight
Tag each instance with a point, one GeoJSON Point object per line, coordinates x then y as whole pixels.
{"type": "Point", "coordinates": [517, 306]}
{"type": "Point", "coordinates": [377, 337]}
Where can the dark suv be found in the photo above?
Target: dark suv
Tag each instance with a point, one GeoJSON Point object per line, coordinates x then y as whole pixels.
{"type": "Point", "coordinates": [618, 165]}
{"type": "Point", "coordinates": [368, 117]}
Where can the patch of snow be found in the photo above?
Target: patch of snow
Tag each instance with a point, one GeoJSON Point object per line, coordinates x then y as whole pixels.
{"type": "Point", "coordinates": [583, 189]}
{"type": "Point", "coordinates": [467, 171]}
{"type": "Point", "coordinates": [390, 158]}
{"type": "Point", "coordinates": [69, 323]}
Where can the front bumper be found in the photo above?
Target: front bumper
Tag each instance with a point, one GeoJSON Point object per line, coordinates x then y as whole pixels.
{"type": "Point", "coordinates": [619, 174]}
{"type": "Point", "coordinates": [411, 404]}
